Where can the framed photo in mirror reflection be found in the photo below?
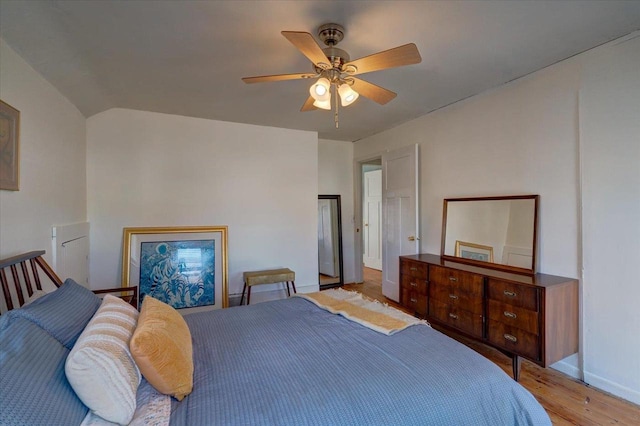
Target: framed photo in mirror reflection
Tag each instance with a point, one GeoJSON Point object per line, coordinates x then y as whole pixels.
{"type": "Point", "coordinates": [474, 251]}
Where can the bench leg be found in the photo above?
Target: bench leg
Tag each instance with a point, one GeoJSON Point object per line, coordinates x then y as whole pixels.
{"type": "Point", "coordinates": [249, 296]}
{"type": "Point", "coordinates": [288, 291]}
{"type": "Point", "coordinates": [243, 289]}
{"type": "Point", "coordinates": [293, 283]}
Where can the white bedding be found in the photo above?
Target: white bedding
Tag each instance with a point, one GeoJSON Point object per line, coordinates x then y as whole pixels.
{"type": "Point", "coordinates": [152, 409]}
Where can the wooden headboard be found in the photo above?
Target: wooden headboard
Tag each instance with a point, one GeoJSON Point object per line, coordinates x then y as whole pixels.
{"type": "Point", "coordinates": [20, 275]}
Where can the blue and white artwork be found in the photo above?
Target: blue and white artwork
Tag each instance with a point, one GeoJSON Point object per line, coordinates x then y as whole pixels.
{"type": "Point", "coordinates": [179, 273]}
{"type": "Point", "coordinates": [466, 254]}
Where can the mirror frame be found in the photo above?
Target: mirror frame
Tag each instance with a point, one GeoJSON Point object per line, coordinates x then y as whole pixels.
{"type": "Point", "coordinates": [340, 259]}
{"type": "Point", "coordinates": [496, 266]}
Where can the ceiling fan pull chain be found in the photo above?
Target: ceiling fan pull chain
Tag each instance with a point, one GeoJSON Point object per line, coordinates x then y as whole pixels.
{"type": "Point", "coordinates": [335, 115]}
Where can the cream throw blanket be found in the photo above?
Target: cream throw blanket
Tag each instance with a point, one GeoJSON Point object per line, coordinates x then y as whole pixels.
{"type": "Point", "coordinates": [370, 313]}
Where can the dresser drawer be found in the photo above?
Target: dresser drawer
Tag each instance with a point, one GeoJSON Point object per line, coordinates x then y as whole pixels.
{"type": "Point", "coordinates": [513, 294]}
{"type": "Point", "coordinates": [461, 319]}
{"type": "Point", "coordinates": [413, 300]}
{"type": "Point", "coordinates": [453, 295]}
{"type": "Point", "coordinates": [521, 318]}
{"type": "Point", "coordinates": [413, 269]}
{"type": "Point", "coordinates": [460, 281]}
{"type": "Point", "coordinates": [410, 283]}
{"type": "Point", "coordinates": [514, 340]}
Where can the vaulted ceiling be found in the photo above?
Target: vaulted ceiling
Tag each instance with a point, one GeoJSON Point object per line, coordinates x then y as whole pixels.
{"type": "Point", "coordinates": [188, 57]}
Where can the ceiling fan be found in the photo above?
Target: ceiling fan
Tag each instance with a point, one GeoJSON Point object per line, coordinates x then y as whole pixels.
{"type": "Point", "coordinates": [335, 71]}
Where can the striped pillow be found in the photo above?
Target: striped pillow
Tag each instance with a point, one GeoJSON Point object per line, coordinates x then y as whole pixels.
{"type": "Point", "coordinates": [100, 368]}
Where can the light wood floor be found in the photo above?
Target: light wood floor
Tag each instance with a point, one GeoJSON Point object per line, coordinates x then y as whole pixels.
{"type": "Point", "coordinates": [568, 401]}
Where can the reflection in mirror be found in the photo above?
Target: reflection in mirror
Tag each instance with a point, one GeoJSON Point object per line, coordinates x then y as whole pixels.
{"type": "Point", "coordinates": [329, 241]}
{"type": "Point", "coordinates": [497, 232]}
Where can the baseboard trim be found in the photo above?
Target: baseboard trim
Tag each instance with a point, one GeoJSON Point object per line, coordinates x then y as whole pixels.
{"type": "Point", "coordinates": [259, 295]}
{"type": "Point", "coordinates": [567, 368]}
{"type": "Point", "coordinates": [613, 388]}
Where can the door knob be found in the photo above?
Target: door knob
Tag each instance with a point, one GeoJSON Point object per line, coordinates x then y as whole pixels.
{"type": "Point", "coordinates": [412, 238]}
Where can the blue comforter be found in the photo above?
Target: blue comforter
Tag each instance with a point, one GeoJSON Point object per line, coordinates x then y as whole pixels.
{"type": "Point", "coordinates": [289, 362]}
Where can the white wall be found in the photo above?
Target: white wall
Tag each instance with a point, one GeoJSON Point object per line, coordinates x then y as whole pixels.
{"type": "Point", "coordinates": [610, 148]}
{"type": "Point", "coordinates": [150, 169]}
{"type": "Point", "coordinates": [52, 160]}
{"type": "Point", "coordinates": [493, 144]}
{"type": "Point", "coordinates": [522, 138]}
{"type": "Point", "coordinates": [335, 176]}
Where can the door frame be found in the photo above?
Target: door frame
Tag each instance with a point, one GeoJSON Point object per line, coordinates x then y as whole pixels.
{"type": "Point", "coordinates": [358, 194]}
{"type": "Point", "coordinates": [358, 191]}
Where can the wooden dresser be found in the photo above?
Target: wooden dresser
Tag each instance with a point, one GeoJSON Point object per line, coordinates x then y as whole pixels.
{"type": "Point", "coordinates": [529, 316]}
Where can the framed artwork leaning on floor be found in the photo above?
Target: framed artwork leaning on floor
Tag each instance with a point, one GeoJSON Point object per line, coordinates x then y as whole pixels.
{"type": "Point", "coordinates": [185, 267]}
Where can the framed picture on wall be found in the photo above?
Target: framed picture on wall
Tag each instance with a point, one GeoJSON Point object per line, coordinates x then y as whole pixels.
{"type": "Point", "coordinates": [474, 251]}
{"type": "Point", "coordinates": [9, 147]}
{"type": "Point", "coordinates": [185, 267]}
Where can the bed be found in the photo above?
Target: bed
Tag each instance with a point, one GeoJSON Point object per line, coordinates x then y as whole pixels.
{"type": "Point", "coordinates": [286, 362]}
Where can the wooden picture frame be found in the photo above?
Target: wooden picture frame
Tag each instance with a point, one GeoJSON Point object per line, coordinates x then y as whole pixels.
{"type": "Point", "coordinates": [185, 267]}
{"type": "Point", "coordinates": [9, 147]}
{"type": "Point", "coordinates": [474, 251]}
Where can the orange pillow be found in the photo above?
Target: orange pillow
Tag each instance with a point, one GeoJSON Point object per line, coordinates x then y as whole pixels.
{"type": "Point", "coordinates": [161, 347]}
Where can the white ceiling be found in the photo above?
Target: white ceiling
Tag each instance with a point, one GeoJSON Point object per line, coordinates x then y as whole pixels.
{"type": "Point", "coordinates": [187, 57]}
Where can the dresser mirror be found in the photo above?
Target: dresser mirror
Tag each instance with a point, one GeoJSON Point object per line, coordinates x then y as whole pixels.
{"type": "Point", "coordinates": [492, 232]}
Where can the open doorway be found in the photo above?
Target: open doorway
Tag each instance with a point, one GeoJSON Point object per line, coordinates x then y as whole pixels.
{"type": "Point", "coordinates": [369, 222]}
{"type": "Point", "coordinates": [372, 215]}
{"type": "Point", "coordinates": [399, 230]}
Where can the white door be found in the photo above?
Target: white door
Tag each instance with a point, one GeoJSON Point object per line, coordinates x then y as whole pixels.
{"type": "Point", "coordinates": [326, 259]}
{"type": "Point", "coordinates": [371, 215]}
{"type": "Point", "coordinates": [399, 214]}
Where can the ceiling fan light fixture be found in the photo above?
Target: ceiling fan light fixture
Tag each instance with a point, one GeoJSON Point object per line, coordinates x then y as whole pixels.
{"type": "Point", "coordinates": [320, 90]}
{"type": "Point", "coordinates": [335, 71]}
{"type": "Point", "coordinates": [347, 95]}
{"type": "Point", "coordinates": [323, 104]}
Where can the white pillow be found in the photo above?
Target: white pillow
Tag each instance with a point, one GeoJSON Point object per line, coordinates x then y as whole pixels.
{"type": "Point", "coordinates": [100, 367]}
{"type": "Point", "coordinates": [153, 408]}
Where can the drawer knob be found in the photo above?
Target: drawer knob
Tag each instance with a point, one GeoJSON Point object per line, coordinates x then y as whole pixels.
{"type": "Point", "coordinates": [510, 314]}
{"type": "Point", "coordinates": [453, 296]}
{"type": "Point", "coordinates": [454, 316]}
{"type": "Point", "coordinates": [414, 284]}
{"type": "Point", "coordinates": [511, 338]}
{"type": "Point", "coordinates": [453, 279]}
{"type": "Point", "coordinates": [414, 300]}
{"type": "Point", "coordinates": [413, 268]}
{"type": "Point", "coordinates": [510, 293]}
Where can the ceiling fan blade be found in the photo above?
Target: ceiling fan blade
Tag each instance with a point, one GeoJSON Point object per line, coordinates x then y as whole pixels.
{"type": "Point", "coordinates": [308, 104]}
{"type": "Point", "coordinates": [278, 77]}
{"type": "Point", "coordinates": [396, 57]}
{"type": "Point", "coordinates": [308, 46]}
{"type": "Point", "coordinates": [373, 92]}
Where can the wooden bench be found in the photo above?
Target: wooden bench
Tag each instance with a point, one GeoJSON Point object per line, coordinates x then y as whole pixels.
{"type": "Point", "coordinates": [269, 276]}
